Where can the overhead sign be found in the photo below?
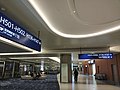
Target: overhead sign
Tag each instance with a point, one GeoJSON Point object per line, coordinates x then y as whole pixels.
{"type": "Point", "coordinates": [12, 31]}
{"type": "Point", "coordinates": [96, 56]}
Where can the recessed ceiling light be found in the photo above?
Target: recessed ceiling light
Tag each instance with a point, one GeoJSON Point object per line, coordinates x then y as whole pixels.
{"type": "Point", "coordinates": [74, 11]}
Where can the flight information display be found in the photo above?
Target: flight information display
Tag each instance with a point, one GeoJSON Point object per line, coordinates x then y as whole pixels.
{"type": "Point", "coordinates": [12, 31]}
{"type": "Point", "coordinates": [96, 56]}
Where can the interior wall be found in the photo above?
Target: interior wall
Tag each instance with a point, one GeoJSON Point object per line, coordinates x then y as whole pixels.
{"type": "Point", "coordinates": [90, 69]}
{"type": "Point", "coordinates": [105, 66]}
{"type": "Point", "coordinates": [118, 65]}
{"type": "Point", "coordinates": [85, 67]}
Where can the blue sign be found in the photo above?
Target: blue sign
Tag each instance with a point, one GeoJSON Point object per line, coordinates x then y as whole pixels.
{"type": "Point", "coordinates": [12, 31]}
{"type": "Point", "coordinates": [96, 56]}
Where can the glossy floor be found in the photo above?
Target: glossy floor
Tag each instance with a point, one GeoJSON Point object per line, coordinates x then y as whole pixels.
{"type": "Point", "coordinates": [87, 83]}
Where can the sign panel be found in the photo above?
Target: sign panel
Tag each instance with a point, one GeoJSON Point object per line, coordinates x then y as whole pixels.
{"type": "Point", "coordinates": [96, 56]}
{"type": "Point", "coordinates": [12, 31]}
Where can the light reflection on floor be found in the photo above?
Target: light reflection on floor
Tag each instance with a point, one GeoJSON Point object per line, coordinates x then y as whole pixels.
{"type": "Point", "coordinates": [86, 82]}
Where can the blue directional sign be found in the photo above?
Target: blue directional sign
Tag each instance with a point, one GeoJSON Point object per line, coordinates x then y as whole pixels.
{"type": "Point", "coordinates": [96, 56]}
{"type": "Point", "coordinates": [12, 31]}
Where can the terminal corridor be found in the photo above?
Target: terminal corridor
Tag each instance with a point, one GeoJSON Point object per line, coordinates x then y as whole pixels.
{"type": "Point", "coordinates": [86, 82]}
{"type": "Point", "coordinates": [46, 44]}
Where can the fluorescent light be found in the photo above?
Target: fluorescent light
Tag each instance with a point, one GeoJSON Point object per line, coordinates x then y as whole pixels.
{"type": "Point", "coordinates": [41, 13]}
{"type": "Point", "coordinates": [16, 44]}
{"type": "Point", "coordinates": [55, 59]}
{"type": "Point", "coordinates": [27, 53]}
{"type": "Point", "coordinates": [23, 58]}
{"type": "Point", "coordinates": [27, 57]}
{"type": "Point", "coordinates": [115, 48]}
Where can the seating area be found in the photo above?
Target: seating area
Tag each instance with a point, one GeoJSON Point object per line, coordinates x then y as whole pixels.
{"type": "Point", "coordinates": [101, 76]}
{"type": "Point", "coordinates": [52, 72]}
{"type": "Point", "coordinates": [49, 83]}
{"type": "Point", "coordinates": [30, 77]}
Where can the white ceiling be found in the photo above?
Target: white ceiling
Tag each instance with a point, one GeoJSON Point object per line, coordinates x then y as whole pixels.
{"type": "Point", "coordinates": [78, 17]}
{"type": "Point", "coordinates": [74, 17]}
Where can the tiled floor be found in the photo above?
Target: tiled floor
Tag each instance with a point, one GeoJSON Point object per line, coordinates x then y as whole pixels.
{"type": "Point", "coordinates": [87, 83]}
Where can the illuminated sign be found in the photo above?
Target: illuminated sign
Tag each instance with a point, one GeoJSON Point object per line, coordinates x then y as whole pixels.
{"type": "Point", "coordinates": [12, 31]}
{"type": "Point", "coordinates": [96, 56]}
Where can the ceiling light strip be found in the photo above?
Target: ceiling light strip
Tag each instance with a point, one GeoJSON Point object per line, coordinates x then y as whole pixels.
{"type": "Point", "coordinates": [24, 58]}
{"type": "Point", "coordinates": [16, 44]}
{"type": "Point", "coordinates": [40, 12]}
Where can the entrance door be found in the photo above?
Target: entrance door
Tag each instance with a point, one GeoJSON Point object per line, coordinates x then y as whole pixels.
{"type": "Point", "coordinates": [114, 73]}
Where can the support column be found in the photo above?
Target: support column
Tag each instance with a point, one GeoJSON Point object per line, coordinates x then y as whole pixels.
{"type": "Point", "coordinates": [13, 69]}
{"type": "Point", "coordinates": [65, 68]}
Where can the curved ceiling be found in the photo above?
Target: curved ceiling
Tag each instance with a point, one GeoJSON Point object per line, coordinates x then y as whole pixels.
{"type": "Point", "coordinates": [23, 13]}
{"type": "Point", "coordinates": [79, 18]}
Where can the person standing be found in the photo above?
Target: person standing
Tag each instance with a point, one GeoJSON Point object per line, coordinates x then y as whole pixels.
{"type": "Point", "coordinates": [75, 74]}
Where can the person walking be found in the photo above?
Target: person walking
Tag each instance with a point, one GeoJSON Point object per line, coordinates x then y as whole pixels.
{"type": "Point", "coordinates": [75, 74]}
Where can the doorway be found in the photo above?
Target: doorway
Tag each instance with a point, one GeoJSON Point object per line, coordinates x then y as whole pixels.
{"type": "Point", "coordinates": [114, 74]}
